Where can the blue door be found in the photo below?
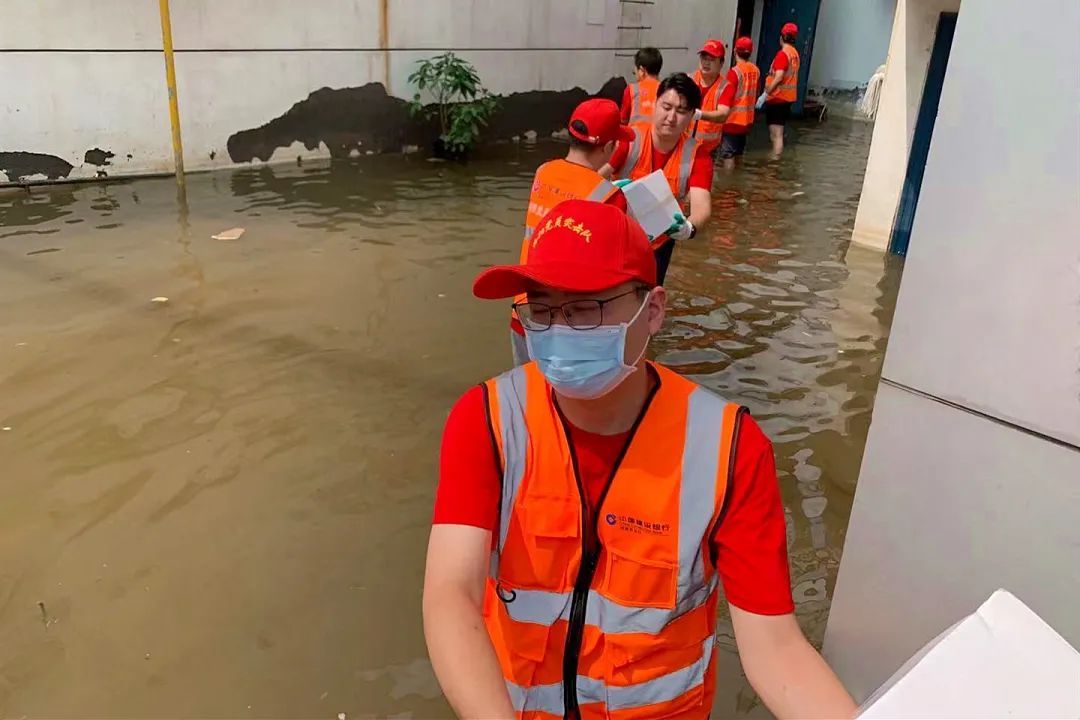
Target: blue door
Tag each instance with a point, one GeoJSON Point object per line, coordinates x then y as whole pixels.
{"type": "Point", "coordinates": [924, 130]}
{"type": "Point", "coordinates": [774, 14]}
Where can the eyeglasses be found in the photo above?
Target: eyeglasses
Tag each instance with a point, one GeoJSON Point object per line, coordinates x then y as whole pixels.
{"type": "Point", "coordinates": [579, 314]}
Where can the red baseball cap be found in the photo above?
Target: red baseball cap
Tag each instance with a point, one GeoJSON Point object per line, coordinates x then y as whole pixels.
{"type": "Point", "coordinates": [745, 44]}
{"type": "Point", "coordinates": [789, 29]}
{"type": "Point", "coordinates": [598, 121]}
{"type": "Point", "coordinates": [712, 47]}
{"type": "Point", "coordinates": [580, 246]}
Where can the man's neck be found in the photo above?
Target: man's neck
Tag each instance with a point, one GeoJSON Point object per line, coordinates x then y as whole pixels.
{"type": "Point", "coordinates": [613, 413]}
{"type": "Point", "coordinates": [577, 157]}
{"type": "Point", "coordinates": [664, 145]}
{"type": "Point", "coordinates": [710, 79]}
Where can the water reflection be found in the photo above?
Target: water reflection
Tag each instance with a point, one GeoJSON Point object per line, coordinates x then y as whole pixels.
{"type": "Point", "coordinates": [231, 492]}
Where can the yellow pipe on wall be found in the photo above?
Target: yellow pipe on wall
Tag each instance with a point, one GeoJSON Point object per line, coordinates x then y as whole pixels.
{"type": "Point", "coordinates": [170, 79]}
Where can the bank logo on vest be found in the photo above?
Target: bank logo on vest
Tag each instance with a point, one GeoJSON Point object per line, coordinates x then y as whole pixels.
{"type": "Point", "coordinates": [637, 525]}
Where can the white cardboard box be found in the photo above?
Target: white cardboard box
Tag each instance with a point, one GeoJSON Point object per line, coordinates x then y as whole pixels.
{"type": "Point", "coordinates": [651, 203]}
{"type": "Point", "coordinates": [1002, 661]}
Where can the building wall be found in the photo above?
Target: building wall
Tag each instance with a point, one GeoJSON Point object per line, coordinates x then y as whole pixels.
{"type": "Point", "coordinates": [971, 475]}
{"type": "Point", "coordinates": [912, 39]}
{"type": "Point", "coordinates": [81, 76]}
{"type": "Point", "coordinates": [852, 40]}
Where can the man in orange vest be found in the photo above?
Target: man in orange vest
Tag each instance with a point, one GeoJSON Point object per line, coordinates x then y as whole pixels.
{"type": "Point", "coordinates": [782, 87]}
{"type": "Point", "coordinates": [735, 108]}
{"type": "Point", "coordinates": [640, 96]}
{"type": "Point", "coordinates": [590, 505]}
{"type": "Point", "coordinates": [707, 76]}
{"type": "Point", "coordinates": [594, 128]}
{"type": "Point", "coordinates": [664, 144]}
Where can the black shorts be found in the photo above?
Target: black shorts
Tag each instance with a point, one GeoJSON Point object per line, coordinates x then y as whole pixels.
{"type": "Point", "coordinates": [732, 146]}
{"type": "Point", "coordinates": [777, 113]}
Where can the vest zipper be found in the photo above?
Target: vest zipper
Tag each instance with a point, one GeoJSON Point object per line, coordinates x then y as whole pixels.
{"type": "Point", "coordinates": [590, 557]}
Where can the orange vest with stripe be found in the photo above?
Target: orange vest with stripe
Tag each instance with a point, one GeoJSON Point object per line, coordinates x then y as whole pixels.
{"type": "Point", "coordinates": [742, 109]}
{"type": "Point", "coordinates": [677, 169]}
{"type": "Point", "coordinates": [643, 99]}
{"type": "Point", "coordinates": [788, 89]}
{"type": "Point", "coordinates": [617, 623]}
{"type": "Point", "coordinates": [709, 133]}
{"type": "Point", "coordinates": [555, 181]}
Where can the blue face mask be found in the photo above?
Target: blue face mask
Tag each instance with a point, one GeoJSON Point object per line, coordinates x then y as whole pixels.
{"type": "Point", "coordinates": [583, 364]}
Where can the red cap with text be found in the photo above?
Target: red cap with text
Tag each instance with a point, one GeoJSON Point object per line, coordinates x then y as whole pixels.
{"type": "Point", "coordinates": [744, 44]}
{"type": "Point", "coordinates": [712, 47]}
{"type": "Point", "coordinates": [789, 29]}
{"type": "Point", "coordinates": [579, 247]}
{"type": "Point", "coordinates": [599, 122]}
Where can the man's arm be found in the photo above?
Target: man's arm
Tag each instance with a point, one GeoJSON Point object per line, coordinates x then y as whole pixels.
{"type": "Point", "coordinates": [700, 207]}
{"type": "Point", "coordinates": [458, 643]}
{"type": "Point", "coordinates": [718, 115]}
{"type": "Point", "coordinates": [774, 80]}
{"type": "Point", "coordinates": [786, 671]}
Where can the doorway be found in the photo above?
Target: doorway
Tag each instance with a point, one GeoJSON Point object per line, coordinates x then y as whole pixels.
{"type": "Point", "coordinates": [924, 130]}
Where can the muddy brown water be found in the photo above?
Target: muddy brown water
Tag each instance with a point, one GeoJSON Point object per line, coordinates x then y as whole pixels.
{"type": "Point", "coordinates": [218, 506]}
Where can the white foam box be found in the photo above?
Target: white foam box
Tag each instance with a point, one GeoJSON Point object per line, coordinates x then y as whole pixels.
{"type": "Point", "coordinates": [651, 203]}
{"type": "Point", "coordinates": [1003, 661]}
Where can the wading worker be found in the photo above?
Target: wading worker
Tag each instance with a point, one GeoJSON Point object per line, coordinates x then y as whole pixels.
{"type": "Point", "coordinates": [736, 105]}
{"type": "Point", "coordinates": [708, 126]}
{"type": "Point", "coordinates": [640, 95]}
{"type": "Point", "coordinates": [591, 503]}
{"type": "Point", "coordinates": [594, 129]}
{"type": "Point", "coordinates": [782, 87]}
{"type": "Point", "coordinates": [664, 144]}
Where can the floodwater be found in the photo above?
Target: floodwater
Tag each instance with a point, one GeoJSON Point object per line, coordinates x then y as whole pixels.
{"type": "Point", "coordinates": [218, 506]}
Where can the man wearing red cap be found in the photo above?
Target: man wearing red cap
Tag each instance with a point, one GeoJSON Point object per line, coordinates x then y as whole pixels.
{"type": "Point", "coordinates": [735, 106]}
{"type": "Point", "coordinates": [595, 127]}
{"type": "Point", "coordinates": [591, 503]}
{"type": "Point", "coordinates": [709, 126]}
{"type": "Point", "coordinates": [782, 87]}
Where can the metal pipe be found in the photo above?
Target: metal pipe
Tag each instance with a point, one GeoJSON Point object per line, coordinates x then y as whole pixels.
{"type": "Point", "coordinates": [170, 79]}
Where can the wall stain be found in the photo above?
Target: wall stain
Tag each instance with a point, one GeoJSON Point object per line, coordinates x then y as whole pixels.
{"type": "Point", "coordinates": [98, 157]}
{"type": "Point", "coordinates": [19, 165]}
{"type": "Point", "coordinates": [366, 118]}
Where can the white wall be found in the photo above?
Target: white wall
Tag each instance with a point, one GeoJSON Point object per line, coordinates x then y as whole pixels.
{"type": "Point", "coordinates": [243, 63]}
{"type": "Point", "coordinates": [971, 476]}
{"type": "Point", "coordinates": [851, 41]}
{"type": "Point", "coordinates": [912, 39]}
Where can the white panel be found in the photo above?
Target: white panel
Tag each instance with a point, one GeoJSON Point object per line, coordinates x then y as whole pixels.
{"type": "Point", "coordinates": [989, 309]}
{"type": "Point", "coordinates": [850, 42]}
{"type": "Point", "coordinates": [950, 506]}
{"type": "Point", "coordinates": [240, 24]}
{"type": "Point", "coordinates": [61, 24]}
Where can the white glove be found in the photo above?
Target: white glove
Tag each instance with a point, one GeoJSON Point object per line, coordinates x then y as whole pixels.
{"type": "Point", "coordinates": [685, 231]}
{"type": "Point", "coordinates": [697, 115]}
{"type": "Point", "coordinates": [761, 100]}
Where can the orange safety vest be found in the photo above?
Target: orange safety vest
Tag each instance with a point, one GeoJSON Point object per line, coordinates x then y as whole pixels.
{"type": "Point", "coordinates": [677, 169]}
{"type": "Point", "coordinates": [709, 133]}
{"type": "Point", "coordinates": [619, 626]}
{"type": "Point", "coordinates": [643, 99]}
{"type": "Point", "coordinates": [555, 181]}
{"type": "Point", "coordinates": [742, 111]}
{"type": "Point", "coordinates": [788, 89]}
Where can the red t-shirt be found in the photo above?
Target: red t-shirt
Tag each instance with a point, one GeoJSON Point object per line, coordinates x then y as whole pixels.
{"type": "Point", "coordinates": [780, 62]}
{"type": "Point", "coordinates": [727, 97]}
{"type": "Point", "coordinates": [750, 544]}
{"type": "Point", "coordinates": [700, 173]}
{"type": "Point", "coordinates": [627, 106]}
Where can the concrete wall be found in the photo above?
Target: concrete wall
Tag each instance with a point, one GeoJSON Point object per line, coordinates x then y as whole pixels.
{"type": "Point", "coordinates": [851, 41]}
{"type": "Point", "coordinates": [912, 39]}
{"type": "Point", "coordinates": [80, 76]}
{"type": "Point", "coordinates": [971, 476]}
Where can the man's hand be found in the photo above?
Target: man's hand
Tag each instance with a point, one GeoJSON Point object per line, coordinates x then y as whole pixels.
{"type": "Point", "coordinates": [786, 671]}
{"type": "Point", "coordinates": [681, 229]}
{"type": "Point", "coordinates": [761, 100]}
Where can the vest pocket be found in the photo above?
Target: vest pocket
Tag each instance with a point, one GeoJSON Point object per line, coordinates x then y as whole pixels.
{"type": "Point", "coordinates": [551, 537]}
{"type": "Point", "coordinates": [638, 582]}
{"type": "Point", "coordinates": [657, 677]}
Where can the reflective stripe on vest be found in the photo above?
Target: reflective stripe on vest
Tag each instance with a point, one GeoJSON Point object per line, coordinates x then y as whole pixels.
{"type": "Point", "coordinates": [707, 131]}
{"type": "Point", "coordinates": [549, 698]}
{"type": "Point", "coordinates": [639, 160]}
{"type": "Point", "coordinates": [642, 100]}
{"type": "Point", "coordinates": [742, 109]}
{"type": "Point", "coordinates": [702, 471]}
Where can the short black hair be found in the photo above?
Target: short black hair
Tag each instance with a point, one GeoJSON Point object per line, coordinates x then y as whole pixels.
{"type": "Point", "coordinates": [744, 54]}
{"type": "Point", "coordinates": [790, 38]}
{"type": "Point", "coordinates": [649, 59]}
{"type": "Point", "coordinates": [684, 85]}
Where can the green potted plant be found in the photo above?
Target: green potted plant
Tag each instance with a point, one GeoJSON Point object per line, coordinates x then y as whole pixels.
{"type": "Point", "coordinates": [461, 103]}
